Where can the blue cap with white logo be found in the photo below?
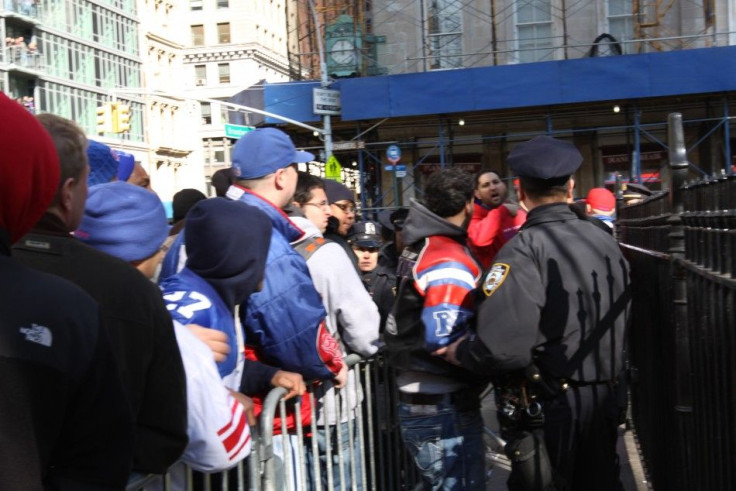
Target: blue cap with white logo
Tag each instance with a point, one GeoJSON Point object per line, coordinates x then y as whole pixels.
{"type": "Point", "coordinates": [264, 151]}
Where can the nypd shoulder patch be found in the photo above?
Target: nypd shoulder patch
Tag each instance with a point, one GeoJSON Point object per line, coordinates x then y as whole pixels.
{"type": "Point", "coordinates": [495, 278]}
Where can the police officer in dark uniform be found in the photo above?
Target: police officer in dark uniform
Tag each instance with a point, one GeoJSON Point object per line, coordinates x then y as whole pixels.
{"type": "Point", "coordinates": [550, 329]}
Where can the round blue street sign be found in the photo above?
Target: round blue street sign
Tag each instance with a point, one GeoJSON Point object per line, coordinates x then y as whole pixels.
{"type": "Point", "coordinates": [393, 153]}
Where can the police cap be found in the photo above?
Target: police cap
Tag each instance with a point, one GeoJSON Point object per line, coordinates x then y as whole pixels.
{"type": "Point", "coordinates": [544, 157]}
{"type": "Point", "coordinates": [365, 234]}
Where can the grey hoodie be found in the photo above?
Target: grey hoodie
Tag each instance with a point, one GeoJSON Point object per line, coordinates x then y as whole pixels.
{"type": "Point", "coordinates": [348, 305]}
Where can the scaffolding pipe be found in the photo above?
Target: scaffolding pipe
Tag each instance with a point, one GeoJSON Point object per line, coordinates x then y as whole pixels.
{"type": "Point", "coordinates": [494, 36]}
{"type": "Point", "coordinates": [636, 160]}
{"type": "Point", "coordinates": [727, 137]}
{"type": "Point", "coordinates": [361, 169]}
{"type": "Point", "coordinates": [566, 46]}
{"type": "Point", "coordinates": [442, 144]}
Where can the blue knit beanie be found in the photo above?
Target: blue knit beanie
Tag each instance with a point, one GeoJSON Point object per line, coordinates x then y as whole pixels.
{"type": "Point", "coordinates": [103, 164]}
{"type": "Point", "coordinates": [126, 163]}
{"type": "Point", "coordinates": [123, 220]}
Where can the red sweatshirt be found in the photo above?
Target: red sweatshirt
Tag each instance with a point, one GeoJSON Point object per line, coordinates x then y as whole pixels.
{"type": "Point", "coordinates": [489, 230]}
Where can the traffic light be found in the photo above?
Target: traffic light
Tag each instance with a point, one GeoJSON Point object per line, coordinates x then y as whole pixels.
{"type": "Point", "coordinates": [121, 118]}
{"type": "Point", "coordinates": [104, 118]}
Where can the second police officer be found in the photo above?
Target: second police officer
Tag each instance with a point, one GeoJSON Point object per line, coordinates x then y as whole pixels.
{"type": "Point", "coordinates": [550, 327]}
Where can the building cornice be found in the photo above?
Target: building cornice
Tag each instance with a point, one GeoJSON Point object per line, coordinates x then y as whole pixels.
{"type": "Point", "coordinates": [152, 36]}
{"type": "Point", "coordinates": [166, 100]}
{"type": "Point", "coordinates": [176, 153]}
{"type": "Point", "coordinates": [233, 53]}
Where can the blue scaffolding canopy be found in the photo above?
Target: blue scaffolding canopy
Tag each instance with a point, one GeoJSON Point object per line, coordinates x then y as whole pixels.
{"type": "Point", "coordinates": [583, 80]}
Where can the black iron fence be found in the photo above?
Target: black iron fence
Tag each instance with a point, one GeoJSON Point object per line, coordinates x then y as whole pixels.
{"type": "Point", "coordinates": [682, 248]}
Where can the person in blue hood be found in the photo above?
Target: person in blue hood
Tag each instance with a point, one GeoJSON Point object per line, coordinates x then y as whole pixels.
{"type": "Point", "coordinates": [220, 273]}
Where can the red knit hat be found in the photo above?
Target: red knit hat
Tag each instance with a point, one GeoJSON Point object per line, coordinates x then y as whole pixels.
{"type": "Point", "coordinates": [29, 169]}
{"type": "Point", "coordinates": [601, 199]}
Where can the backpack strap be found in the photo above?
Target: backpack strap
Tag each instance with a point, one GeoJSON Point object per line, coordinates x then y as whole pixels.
{"type": "Point", "coordinates": [308, 247]}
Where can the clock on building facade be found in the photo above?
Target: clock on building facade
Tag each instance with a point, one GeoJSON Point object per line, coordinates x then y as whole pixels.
{"type": "Point", "coordinates": [343, 45]}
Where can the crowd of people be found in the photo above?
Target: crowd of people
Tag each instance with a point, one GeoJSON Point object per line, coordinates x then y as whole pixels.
{"type": "Point", "coordinates": [165, 339]}
{"type": "Point", "coordinates": [22, 52]}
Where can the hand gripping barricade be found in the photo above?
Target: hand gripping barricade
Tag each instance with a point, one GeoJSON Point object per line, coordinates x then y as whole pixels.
{"type": "Point", "coordinates": [370, 456]}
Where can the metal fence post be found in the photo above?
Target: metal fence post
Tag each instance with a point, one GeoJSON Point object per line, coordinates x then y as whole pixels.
{"type": "Point", "coordinates": [676, 250]}
{"type": "Point", "coordinates": [266, 454]}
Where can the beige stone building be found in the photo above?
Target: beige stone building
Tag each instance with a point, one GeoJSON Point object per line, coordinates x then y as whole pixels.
{"type": "Point", "coordinates": [229, 46]}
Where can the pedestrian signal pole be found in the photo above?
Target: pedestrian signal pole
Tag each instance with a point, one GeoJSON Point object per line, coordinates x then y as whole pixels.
{"type": "Point", "coordinates": [104, 118]}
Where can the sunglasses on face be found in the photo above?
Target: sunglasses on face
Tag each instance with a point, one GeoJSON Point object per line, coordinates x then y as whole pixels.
{"type": "Point", "coordinates": [345, 207]}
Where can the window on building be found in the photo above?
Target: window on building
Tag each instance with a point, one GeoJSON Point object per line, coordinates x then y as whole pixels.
{"type": "Point", "coordinates": [213, 156]}
{"type": "Point", "coordinates": [206, 110]}
{"type": "Point", "coordinates": [621, 22]}
{"type": "Point", "coordinates": [200, 75]}
{"type": "Point", "coordinates": [224, 114]}
{"type": "Point", "coordinates": [445, 32]}
{"type": "Point", "coordinates": [534, 30]}
{"type": "Point", "coordinates": [223, 33]}
{"type": "Point", "coordinates": [198, 35]}
{"type": "Point", "coordinates": [195, 4]}
{"type": "Point", "coordinates": [223, 70]}
{"type": "Point", "coordinates": [223, 4]}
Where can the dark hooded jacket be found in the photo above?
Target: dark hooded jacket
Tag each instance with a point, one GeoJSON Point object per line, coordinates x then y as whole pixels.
{"type": "Point", "coordinates": [435, 299]}
{"type": "Point", "coordinates": [220, 273]}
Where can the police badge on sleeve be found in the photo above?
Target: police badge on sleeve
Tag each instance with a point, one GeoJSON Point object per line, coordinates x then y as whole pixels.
{"type": "Point", "coordinates": [495, 278]}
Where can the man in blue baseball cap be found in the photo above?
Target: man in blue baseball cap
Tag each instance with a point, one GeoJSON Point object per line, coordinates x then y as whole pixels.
{"type": "Point", "coordinates": [264, 151]}
{"type": "Point", "coordinates": [287, 314]}
{"type": "Point", "coordinates": [550, 330]}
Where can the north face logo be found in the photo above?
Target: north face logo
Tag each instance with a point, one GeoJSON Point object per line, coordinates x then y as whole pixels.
{"type": "Point", "coordinates": [37, 334]}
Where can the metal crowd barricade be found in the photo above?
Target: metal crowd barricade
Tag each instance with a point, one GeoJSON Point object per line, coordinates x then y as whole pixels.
{"type": "Point", "coordinates": [681, 246]}
{"type": "Point", "coordinates": [382, 463]}
{"type": "Point", "coordinates": [372, 432]}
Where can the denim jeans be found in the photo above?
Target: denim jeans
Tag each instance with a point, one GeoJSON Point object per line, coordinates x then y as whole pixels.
{"type": "Point", "coordinates": [320, 434]}
{"type": "Point", "coordinates": [447, 445]}
{"type": "Point", "coordinates": [279, 457]}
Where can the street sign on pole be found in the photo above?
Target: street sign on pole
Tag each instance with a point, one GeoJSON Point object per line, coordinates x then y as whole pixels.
{"type": "Point", "coordinates": [348, 145]}
{"type": "Point", "coordinates": [393, 154]}
{"type": "Point", "coordinates": [326, 101]}
{"type": "Point", "coordinates": [236, 130]}
{"type": "Point", "coordinates": [333, 169]}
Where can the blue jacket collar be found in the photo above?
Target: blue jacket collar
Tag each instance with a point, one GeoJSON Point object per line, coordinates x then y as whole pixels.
{"type": "Point", "coordinates": [280, 221]}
